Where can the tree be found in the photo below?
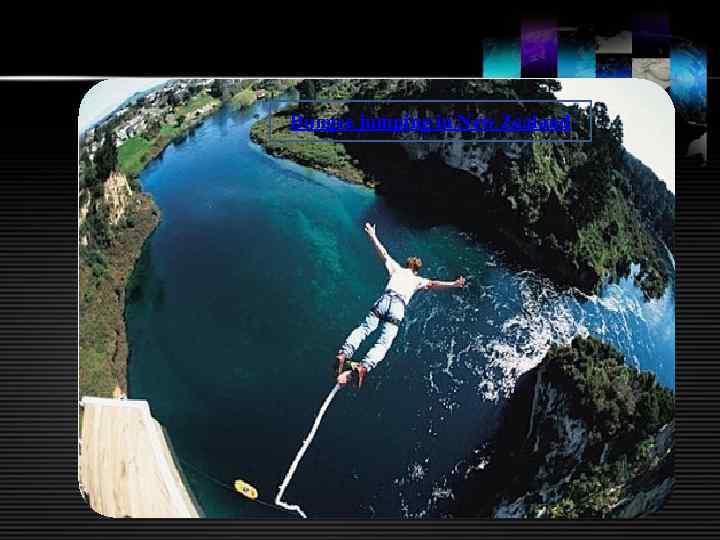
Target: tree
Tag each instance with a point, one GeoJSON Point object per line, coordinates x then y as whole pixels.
{"type": "Point", "coordinates": [216, 90]}
{"type": "Point", "coordinates": [503, 169]}
{"type": "Point", "coordinates": [153, 128]}
{"type": "Point", "coordinates": [307, 91]}
{"type": "Point", "coordinates": [600, 116]}
{"type": "Point", "coordinates": [616, 129]}
{"type": "Point", "coordinates": [106, 157]}
{"type": "Point", "coordinates": [88, 174]}
{"type": "Point", "coordinates": [551, 85]}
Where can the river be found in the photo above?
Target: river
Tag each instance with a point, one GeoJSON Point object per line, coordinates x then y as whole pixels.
{"type": "Point", "coordinates": [256, 273]}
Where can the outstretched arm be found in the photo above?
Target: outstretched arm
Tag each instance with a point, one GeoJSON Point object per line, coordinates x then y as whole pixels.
{"type": "Point", "coordinates": [390, 263]}
{"type": "Point", "coordinates": [458, 283]}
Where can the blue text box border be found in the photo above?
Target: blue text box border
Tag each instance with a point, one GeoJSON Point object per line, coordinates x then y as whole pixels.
{"type": "Point", "coordinates": [325, 139]}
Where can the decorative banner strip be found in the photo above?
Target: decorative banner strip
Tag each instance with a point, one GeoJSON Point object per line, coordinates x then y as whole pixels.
{"type": "Point", "coordinates": [649, 51]}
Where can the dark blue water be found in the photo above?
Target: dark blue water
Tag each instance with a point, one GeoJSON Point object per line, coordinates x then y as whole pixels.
{"type": "Point", "coordinates": [259, 269]}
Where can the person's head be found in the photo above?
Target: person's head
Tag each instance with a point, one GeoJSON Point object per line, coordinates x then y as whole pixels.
{"type": "Point", "coordinates": [414, 263]}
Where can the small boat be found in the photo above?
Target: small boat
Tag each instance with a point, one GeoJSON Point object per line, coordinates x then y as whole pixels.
{"type": "Point", "coordinates": [246, 489]}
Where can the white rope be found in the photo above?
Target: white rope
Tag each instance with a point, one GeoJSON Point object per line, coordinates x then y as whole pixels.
{"type": "Point", "coordinates": [301, 452]}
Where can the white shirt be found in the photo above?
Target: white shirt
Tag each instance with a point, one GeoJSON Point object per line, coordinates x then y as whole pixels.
{"type": "Point", "coordinates": [403, 281]}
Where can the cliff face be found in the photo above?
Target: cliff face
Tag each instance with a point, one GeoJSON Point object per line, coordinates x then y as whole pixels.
{"type": "Point", "coordinates": [115, 221]}
{"type": "Point", "coordinates": [583, 436]}
{"type": "Point", "coordinates": [85, 200]}
{"type": "Point", "coordinates": [648, 492]}
{"type": "Point", "coordinates": [116, 196]}
{"type": "Point", "coordinates": [582, 213]}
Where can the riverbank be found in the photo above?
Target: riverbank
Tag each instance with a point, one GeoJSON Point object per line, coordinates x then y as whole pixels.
{"type": "Point", "coordinates": [127, 468]}
{"type": "Point", "coordinates": [583, 436]}
{"type": "Point", "coordinates": [314, 152]}
{"type": "Point", "coordinates": [114, 225]}
{"type": "Point", "coordinates": [546, 214]}
{"type": "Point", "coordinates": [103, 279]}
{"type": "Point", "coordinates": [124, 223]}
{"type": "Point", "coordinates": [135, 154]}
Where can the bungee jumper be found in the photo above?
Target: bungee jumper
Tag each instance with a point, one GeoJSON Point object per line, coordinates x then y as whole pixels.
{"type": "Point", "coordinates": [388, 309]}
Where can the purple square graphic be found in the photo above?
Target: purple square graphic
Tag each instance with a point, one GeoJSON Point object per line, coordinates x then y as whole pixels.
{"type": "Point", "coordinates": [539, 48]}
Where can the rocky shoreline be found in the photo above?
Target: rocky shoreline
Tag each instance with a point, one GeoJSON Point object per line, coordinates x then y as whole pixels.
{"type": "Point", "coordinates": [327, 157]}
{"type": "Point", "coordinates": [115, 219]}
{"type": "Point", "coordinates": [103, 281]}
{"type": "Point", "coordinates": [583, 435]}
{"type": "Point", "coordinates": [127, 217]}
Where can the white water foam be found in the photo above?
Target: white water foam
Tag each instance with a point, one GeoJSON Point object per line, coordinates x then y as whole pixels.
{"type": "Point", "coordinates": [476, 351]}
{"type": "Point", "coordinates": [544, 318]}
{"type": "Point", "coordinates": [301, 453]}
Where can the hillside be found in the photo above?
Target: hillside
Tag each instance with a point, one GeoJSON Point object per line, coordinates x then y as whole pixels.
{"type": "Point", "coordinates": [583, 435]}
{"type": "Point", "coordinates": [116, 217]}
{"type": "Point", "coordinates": [113, 229]}
{"type": "Point", "coordinates": [581, 212]}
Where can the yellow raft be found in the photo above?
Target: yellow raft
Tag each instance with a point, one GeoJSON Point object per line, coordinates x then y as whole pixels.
{"type": "Point", "coordinates": [246, 489]}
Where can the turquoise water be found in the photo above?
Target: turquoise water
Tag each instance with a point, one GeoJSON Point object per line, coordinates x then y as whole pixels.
{"type": "Point", "coordinates": [257, 272]}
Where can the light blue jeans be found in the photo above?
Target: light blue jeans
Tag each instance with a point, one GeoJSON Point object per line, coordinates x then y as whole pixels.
{"type": "Point", "coordinates": [389, 309]}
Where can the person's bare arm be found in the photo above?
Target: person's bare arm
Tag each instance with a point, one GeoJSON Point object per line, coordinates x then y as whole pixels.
{"type": "Point", "coordinates": [390, 263]}
{"type": "Point", "coordinates": [435, 284]}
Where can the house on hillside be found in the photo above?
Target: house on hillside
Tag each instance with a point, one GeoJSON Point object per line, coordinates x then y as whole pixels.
{"type": "Point", "coordinates": [259, 94]}
{"type": "Point", "coordinates": [134, 127]}
{"type": "Point", "coordinates": [121, 136]}
{"type": "Point", "coordinates": [181, 94]}
{"type": "Point", "coordinates": [152, 112]}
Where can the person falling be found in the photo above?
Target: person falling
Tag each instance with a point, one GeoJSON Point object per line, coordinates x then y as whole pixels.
{"type": "Point", "coordinates": [389, 308]}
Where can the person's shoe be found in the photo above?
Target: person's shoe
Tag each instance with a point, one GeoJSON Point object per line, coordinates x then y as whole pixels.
{"type": "Point", "coordinates": [359, 371]}
{"type": "Point", "coordinates": [345, 377]}
{"type": "Point", "coordinates": [339, 363]}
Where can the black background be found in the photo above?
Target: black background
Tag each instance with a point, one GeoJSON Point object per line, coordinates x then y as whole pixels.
{"type": "Point", "coordinates": [39, 493]}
